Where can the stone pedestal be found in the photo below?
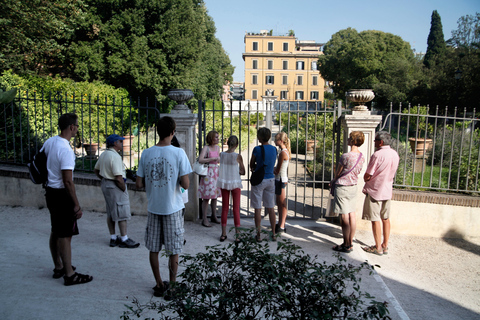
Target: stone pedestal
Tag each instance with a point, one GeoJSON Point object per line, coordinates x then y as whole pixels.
{"type": "Point", "coordinates": [186, 122]}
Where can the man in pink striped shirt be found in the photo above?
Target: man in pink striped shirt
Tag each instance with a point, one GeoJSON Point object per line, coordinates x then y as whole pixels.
{"type": "Point", "coordinates": [378, 191]}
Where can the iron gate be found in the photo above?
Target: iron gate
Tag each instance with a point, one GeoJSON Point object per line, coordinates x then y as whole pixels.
{"type": "Point", "coordinates": [314, 131]}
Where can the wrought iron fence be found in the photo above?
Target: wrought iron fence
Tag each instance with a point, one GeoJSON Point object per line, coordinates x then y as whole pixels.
{"type": "Point", "coordinates": [439, 151]}
{"type": "Point", "coordinates": [30, 119]}
{"type": "Point", "coordinates": [310, 127]}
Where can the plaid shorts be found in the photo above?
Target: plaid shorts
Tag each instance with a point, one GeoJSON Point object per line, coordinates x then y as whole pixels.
{"type": "Point", "coordinates": [165, 230]}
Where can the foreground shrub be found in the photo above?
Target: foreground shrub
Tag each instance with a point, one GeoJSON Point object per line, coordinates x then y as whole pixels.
{"type": "Point", "coordinates": [248, 281]}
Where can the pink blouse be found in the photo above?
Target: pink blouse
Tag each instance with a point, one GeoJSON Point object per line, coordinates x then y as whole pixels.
{"type": "Point", "coordinates": [348, 160]}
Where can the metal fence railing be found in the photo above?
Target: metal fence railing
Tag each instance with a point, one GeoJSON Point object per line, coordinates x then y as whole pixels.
{"type": "Point", "coordinates": [439, 150]}
{"type": "Point", "coordinates": [310, 129]}
{"type": "Point", "coordinates": [30, 119]}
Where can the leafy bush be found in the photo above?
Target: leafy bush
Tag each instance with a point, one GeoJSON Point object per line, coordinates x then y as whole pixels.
{"type": "Point", "coordinates": [32, 117]}
{"type": "Point", "coordinates": [248, 281]}
{"type": "Point", "coordinates": [457, 150]}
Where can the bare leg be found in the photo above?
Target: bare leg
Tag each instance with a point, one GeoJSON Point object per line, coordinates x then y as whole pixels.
{"type": "Point", "coordinates": [64, 246]}
{"type": "Point", "coordinates": [122, 225]}
{"type": "Point", "coordinates": [353, 227]}
{"type": "Point", "coordinates": [154, 264]}
{"type": "Point", "coordinates": [173, 267]}
{"type": "Point", "coordinates": [204, 210]}
{"type": "Point", "coordinates": [386, 232]}
{"type": "Point", "coordinates": [213, 206]}
{"type": "Point", "coordinates": [57, 260]}
{"type": "Point", "coordinates": [345, 222]}
{"type": "Point", "coordinates": [282, 209]}
{"type": "Point", "coordinates": [272, 218]}
{"type": "Point", "coordinates": [258, 220]}
{"type": "Point", "coordinates": [377, 234]}
{"type": "Point", "coordinates": [111, 225]}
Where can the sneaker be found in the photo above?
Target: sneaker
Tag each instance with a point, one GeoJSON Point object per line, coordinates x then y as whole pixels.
{"type": "Point", "coordinates": [114, 242]}
{"type": "Point", "coordinates": [159, 292]}
{"type": "Point", "coordinates": [128, 244]}
{"type": "Point", "coordinates": [279, 230]}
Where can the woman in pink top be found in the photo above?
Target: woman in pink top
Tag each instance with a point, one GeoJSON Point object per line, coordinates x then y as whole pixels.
{"type": "Point", "coordinates": [345, 181]}
{"type": "Point", "coordinates": [207, 187]}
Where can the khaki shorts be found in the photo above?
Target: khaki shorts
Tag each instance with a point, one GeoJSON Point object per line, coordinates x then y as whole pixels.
{"type": "Point", "coordinates": [264, 191]}
{"type": "Point", "coordinates": [117, 201]}
{"type": "Point", "coordinates": [374, 210]}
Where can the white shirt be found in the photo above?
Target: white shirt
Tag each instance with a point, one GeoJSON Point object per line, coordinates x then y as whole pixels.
{"type": "Point", "coordinates": [162, 168]}
{"type": "Point", "coordinates": [60, 156]}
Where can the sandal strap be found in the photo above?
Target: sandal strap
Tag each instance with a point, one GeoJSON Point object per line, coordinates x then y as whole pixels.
{"type": "Point", "coordinates": [77, 278]}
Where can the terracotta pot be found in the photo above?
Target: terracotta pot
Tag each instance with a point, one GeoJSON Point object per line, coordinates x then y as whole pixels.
{"type": "Point", "coordinates": [91, 149]}
{"type": "Point", "coordinates": [421, 145]}
{"type": "Point", "coordinates": [127, 143]}
{"type": "Point", "coordinates": [310, 144]}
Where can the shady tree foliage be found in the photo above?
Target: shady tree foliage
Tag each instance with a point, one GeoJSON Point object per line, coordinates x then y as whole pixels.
{"type": "Point", "coordinates": [370, 60]}
{"type": "Point", "coordinates": [150, 47]}
{"type": "Point", "coordinates": [34, 33]}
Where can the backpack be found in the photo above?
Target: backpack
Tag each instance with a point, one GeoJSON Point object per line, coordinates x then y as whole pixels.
{"type": "Point", "coordinates": [38, 168]}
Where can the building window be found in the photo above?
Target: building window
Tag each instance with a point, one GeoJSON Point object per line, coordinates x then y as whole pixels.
{"type": "Point", "coordinates": [299, 95]}
{"type": "Point", "coordinates": [314, 95]}
{"type": "Point", "coordinates": [254, 79]}
{"type": "Point", "coordinates": [255, 46]}
{"type": "Point", "coordinates": [270, 64]}
{"type": "Point", "coordinates": [283, 95]}
{"type": "Point", "coordinates": [254, 94]}
{"type": "Point", "coordinates": [315, 80]}
{"type": "Point", "coordinates": [285, 46]}
{"type": "Point", "coordinates": [300, 80]}
{"type": "Point", "coordinates": [314, 65]}
{"type": "Point", "coordinates": [284, 80]}
{"type": "Point", "coordinates": [269, 80]}
{"type": "Point", "coordinates": [300, 65]}
{"type": "Point", "coordinates": [270, 46]}
{"type": "Point", "coordinates": [285, 65]}
{"type": "Point", "coordinates": [272, 92]}
{"type": "Point", "coordinates": [254, 64]}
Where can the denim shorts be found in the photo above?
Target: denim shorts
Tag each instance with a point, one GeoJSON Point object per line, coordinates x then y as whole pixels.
{"type": "Point", "coordinates": [279, 186]}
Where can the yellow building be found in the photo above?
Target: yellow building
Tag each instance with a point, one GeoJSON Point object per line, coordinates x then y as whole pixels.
{"type": "Point", "coordinates": [283, 64]}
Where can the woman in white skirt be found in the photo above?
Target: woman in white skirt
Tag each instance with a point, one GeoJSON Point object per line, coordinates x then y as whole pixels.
{"type": "Point", "coordinates": [345, 186]}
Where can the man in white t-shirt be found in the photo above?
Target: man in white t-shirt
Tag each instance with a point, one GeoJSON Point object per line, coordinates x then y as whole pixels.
{"type": "Point", "coordinates": [111, 170]}
{"type": "Point", "coordinates": [162, 170]}
{"type": "Point", "coordinates": [62, 200]}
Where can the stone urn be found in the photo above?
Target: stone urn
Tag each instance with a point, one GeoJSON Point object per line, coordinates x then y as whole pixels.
{"type": "Point", "coordinates": [180, 96]}
{"type": "Point", "coordinates": [360, 97]}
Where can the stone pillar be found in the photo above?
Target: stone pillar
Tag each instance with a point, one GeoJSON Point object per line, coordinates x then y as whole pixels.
{"type": "Point", "coordinates": [366, 122]}
{"type": "Point", "coordinates": [268, 102]}
{"type": "Point", "coordinates": [186, 135]}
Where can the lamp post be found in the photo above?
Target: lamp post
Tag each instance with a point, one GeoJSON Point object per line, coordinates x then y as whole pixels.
{"type": "Point", "coordinates": [458, 76]}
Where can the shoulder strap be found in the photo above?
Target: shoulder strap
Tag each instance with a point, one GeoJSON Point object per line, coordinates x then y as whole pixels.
{"type": "Point", "coordinates": [263, 154]}
{"type": "Point", "coordinates": [358, 160]}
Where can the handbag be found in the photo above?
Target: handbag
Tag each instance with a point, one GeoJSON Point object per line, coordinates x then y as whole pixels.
{"type": "Point", "coordinates": [334, 181]}
{"type": "Point", "coordinates": [330, 211]}
{"type": "Point", "coordinates": [257, 176]}
{"type": "Point", "coordinates": [200, 168]}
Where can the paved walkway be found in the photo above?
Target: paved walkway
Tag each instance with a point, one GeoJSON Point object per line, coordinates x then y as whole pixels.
{"type": "Point", "coordinates": [29, 291]}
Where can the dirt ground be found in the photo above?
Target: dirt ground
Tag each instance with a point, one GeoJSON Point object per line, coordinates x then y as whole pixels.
{"type": "Point", "coordinates": [440, 276]}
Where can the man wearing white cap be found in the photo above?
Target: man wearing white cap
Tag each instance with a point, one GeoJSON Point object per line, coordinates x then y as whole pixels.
{"type": "Point", "coordinates": [111, 171]}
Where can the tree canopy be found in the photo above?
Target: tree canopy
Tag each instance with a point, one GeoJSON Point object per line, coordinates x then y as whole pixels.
{"type": "Point", "coordinates": [33, 33]}
{"type": "Point", "coordinates": [436, 42]}
{"type": "Point", "coordinates": [369, 59]}
{"type": "Point", "coordinates": [147, 47]}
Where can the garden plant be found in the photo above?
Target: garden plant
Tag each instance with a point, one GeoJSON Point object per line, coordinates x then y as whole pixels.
{"type": "Point", "coordinates": [246, 280]}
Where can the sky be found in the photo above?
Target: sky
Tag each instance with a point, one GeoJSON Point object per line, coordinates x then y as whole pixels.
{"type": "Point", "coordinates": [318, 20]}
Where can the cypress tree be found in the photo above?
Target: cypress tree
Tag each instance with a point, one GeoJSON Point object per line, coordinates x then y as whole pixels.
{"type": "Point", "coordinates": [436, 47]}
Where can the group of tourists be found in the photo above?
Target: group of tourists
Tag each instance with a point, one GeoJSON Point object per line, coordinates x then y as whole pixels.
{"type": "Point", "coordinates": [224, 178]}
{"type": "Point", "coordinates": [163, 171]}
